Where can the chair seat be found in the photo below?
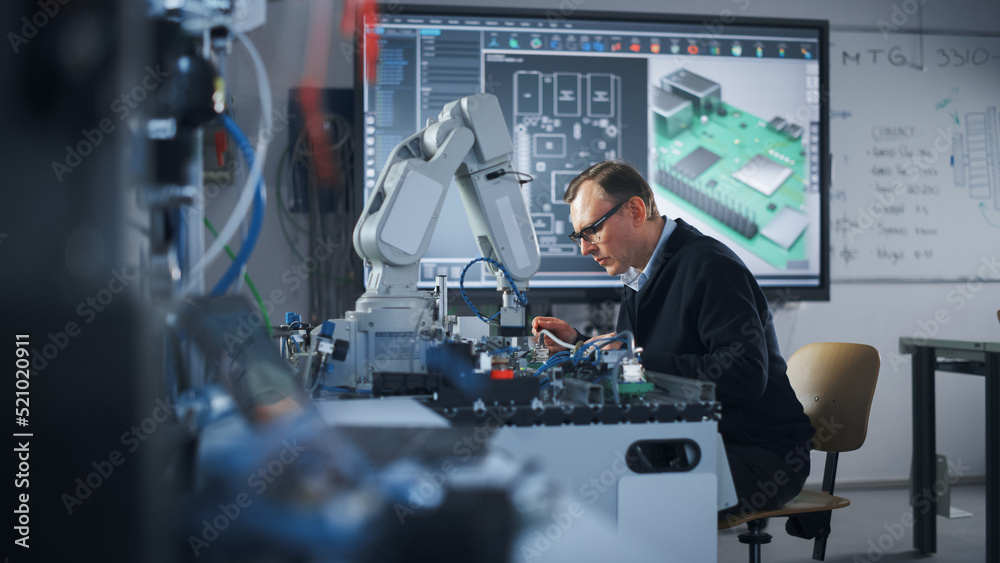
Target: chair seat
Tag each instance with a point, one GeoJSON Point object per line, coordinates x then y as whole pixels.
{"type": "Point", "coordinates": [805, 501]}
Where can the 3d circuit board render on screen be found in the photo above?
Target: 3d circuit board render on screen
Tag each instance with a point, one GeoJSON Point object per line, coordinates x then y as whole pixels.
{"type": "Point", "coordinates": [740, 174]}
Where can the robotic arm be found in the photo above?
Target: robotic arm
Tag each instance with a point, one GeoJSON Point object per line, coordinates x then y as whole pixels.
{"type": "Point", "coordinates": [395, 325]}
{"type": "Point", "coordinates": [468, 142]}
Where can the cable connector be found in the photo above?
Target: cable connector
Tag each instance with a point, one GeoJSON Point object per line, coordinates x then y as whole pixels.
{"type": "Point", "coordinates": [324, 344]}
{"type": "Point", "coordinates": [632, 372]}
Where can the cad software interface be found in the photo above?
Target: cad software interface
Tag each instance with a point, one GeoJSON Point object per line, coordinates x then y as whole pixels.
{"type": "Point", "coordinates": [725, 126]}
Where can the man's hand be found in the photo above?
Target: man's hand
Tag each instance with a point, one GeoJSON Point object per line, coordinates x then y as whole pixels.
{"type": "Point", "coordinates": [607, 345]}
{"type": "Point", "coordinates": [558, 327]}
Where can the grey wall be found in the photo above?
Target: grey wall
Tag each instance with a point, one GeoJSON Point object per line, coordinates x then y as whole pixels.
{"type": "Point", "coordinates": [877, 314]}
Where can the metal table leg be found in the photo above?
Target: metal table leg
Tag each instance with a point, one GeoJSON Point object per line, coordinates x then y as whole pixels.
{"type": "Point", "coordinates": [924, 448]}
{"type": "Point", "coordinates": [992, 374]}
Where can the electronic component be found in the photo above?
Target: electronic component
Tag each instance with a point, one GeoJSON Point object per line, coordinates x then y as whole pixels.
{"type": "Point", "coordinates": [794, 131]}
{"type": "Point", "coordinates": [676, 111]}
{"type": "Point", "coordinates": [632, 371]}
{"type": "Point", "coordinates": [706, 202]}
{"type": "Point", "coordinates": [631, 388]}
{"type": "Point", "coordinates": [763, 174]}
{"type": "Point", "coordinates": [700, 160]}
{"type": "Point", "coordinates": [786, 227]}
{"type": "Point", "coordinates": [295, 337]}
{"type": "Point", "coordinates": [779, 123]}
{"type": "Point", "coordinates": [592, 376]}
{"type": "Point", "coordinates": [701, 91]}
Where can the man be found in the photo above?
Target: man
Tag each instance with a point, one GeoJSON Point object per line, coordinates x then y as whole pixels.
{"type": "Point", "coordinates": [697, 312]}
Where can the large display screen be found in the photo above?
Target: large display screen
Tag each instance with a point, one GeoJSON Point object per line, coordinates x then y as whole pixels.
{"type": "Point", "coordinates": [727, 120]}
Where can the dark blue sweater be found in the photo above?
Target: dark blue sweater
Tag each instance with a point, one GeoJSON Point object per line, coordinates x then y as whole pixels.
{"type": "Point", "coordinates": [702, 315]}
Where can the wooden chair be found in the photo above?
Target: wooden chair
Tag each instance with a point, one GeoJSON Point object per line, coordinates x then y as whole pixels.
{"type": "Point", "coordinates": [835, 383]}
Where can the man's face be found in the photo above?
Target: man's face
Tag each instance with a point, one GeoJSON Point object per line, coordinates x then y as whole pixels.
{"type": "Point", "coordinates": [610, 245]}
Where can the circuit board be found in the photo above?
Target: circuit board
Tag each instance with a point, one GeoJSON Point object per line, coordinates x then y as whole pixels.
{"type": "Point", "coordinates": [566, 112]}
{"type": "Point", "coordinates": [558, 116]}
{"type": "Point", "coordinates": [627, 389]}
{"type": "Point", "coordinates": [741, 174]}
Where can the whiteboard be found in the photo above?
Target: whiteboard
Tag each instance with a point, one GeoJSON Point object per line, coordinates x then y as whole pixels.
{"type": "Point", "coordinates": [915, 157]}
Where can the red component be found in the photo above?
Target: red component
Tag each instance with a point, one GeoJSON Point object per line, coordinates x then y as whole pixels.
{"type": "Point", "coordinates": [220, 148]}
{"type": "Point", "coordinates": [371, 47]}
{"type": "Point", "coordinates": [502, 374]}
{"type": "Point", "coordinates": [352, 22]}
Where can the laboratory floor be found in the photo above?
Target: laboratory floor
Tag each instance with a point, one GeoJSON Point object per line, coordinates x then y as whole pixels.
{"type": "Point", "coordinates": [872, 529]}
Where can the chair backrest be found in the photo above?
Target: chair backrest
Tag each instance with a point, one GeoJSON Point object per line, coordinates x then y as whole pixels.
{"type": "Point", "coordinates": [835, 382]}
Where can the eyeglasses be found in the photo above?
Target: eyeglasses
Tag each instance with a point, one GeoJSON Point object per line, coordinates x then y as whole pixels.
{"type": "Point", "coordinates": [589, 233]}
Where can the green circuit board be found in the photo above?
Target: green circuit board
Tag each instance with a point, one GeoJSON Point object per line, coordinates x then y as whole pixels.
{"type": "Point", "coordinates": [628, 389]}
{"type": "Point", "coordinates": [762, 208]}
